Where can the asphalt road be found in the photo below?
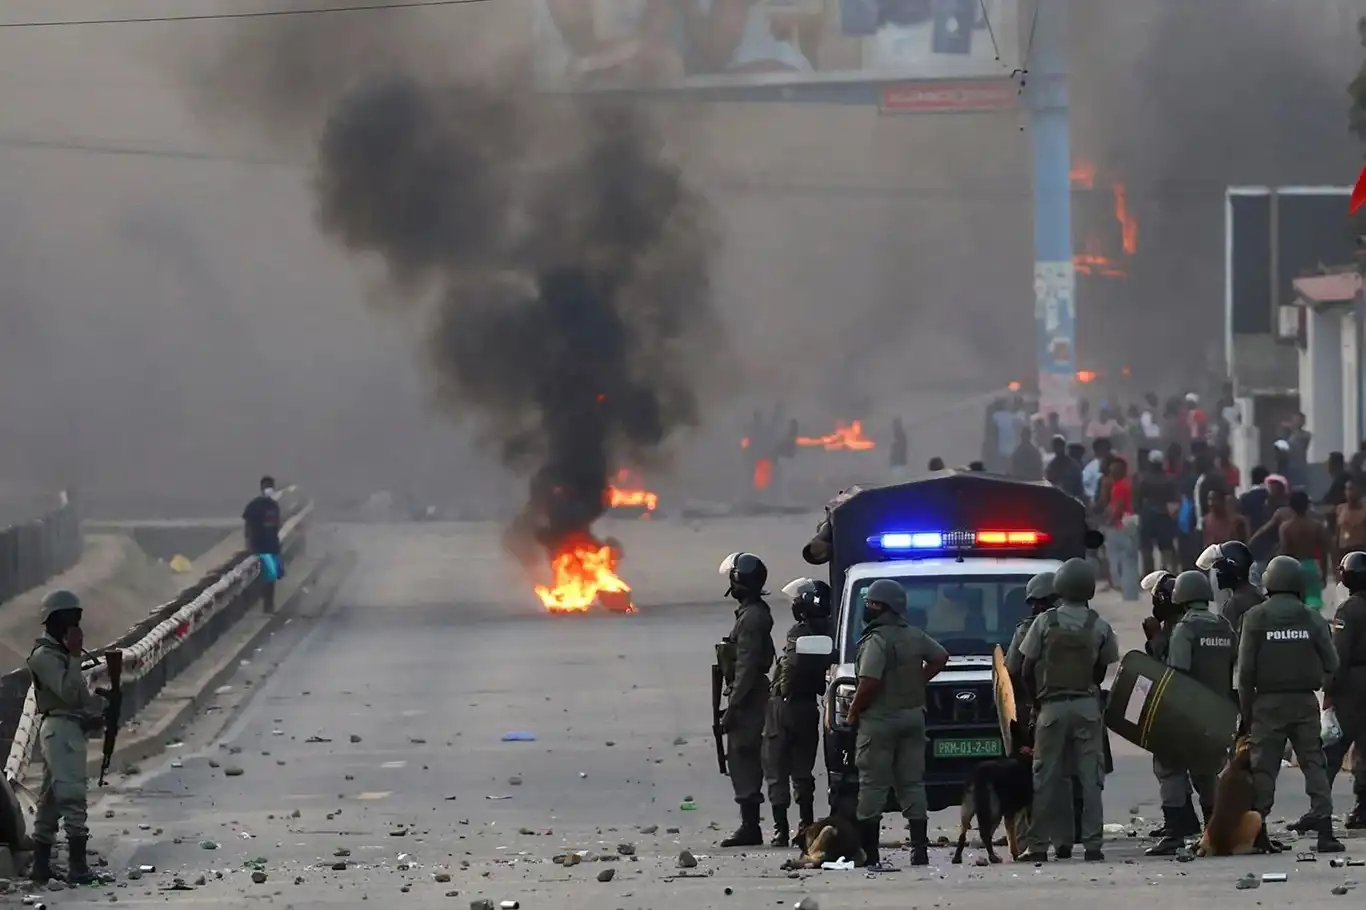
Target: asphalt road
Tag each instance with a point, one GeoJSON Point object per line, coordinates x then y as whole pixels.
{"type": "Point", "coordinates": [359, 757]}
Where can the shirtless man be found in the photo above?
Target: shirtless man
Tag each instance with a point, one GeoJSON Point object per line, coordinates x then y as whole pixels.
{"type": "Point", "coordinates": [1304, 537]}
{"type": "Point", "coordinates": [1222, 522]}
{"type": "Point", "coordinates": [1351, 519]}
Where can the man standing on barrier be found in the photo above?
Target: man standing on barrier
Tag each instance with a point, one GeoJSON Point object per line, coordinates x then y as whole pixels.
{"type": "Point", "coordinates": [792, 728]}
{"type": "Point", "coordinates": [1066, 654]}
{"type": "Point", "coordinates": [1202, 647]}
{"type": "Point", "coordinates": [895, 660]}
{"type": "Point", "coordinates": [1284, 655]}
{"type": "Point", "coordinates": [261, 527]}
{"type": "Point", "coordinates": [745, 657]}
{"type": "Point", "coordinates": [68, 711]}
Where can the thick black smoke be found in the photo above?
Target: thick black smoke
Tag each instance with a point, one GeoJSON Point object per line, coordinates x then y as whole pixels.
{"type": "Point", "coordinates": [566, 261]}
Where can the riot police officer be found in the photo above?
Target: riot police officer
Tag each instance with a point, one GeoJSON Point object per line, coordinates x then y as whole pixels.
{"type": "Point", "coordinates": [68, 710]}
{"type": "Point", "coordinates": [1201, 646]}
{"type": "Point", "coordinates": [1231, 563]}
{"type": "Point", "coordinates": [745, 657]}
{"type": "Point", "coordinates": [1066, 654]}
{"type": "Point", "coordinates": [1157, 630]}
{"type": "Point", "coordinates": [792, 725]}
{"type": "Point", "coordinates": [895, 660]}
{"type": "Point", "coordinates": [1285, 653]}
{"type": "Point", "coordinates": [1346, 690]}
{"type": "Point", "coordinates": [1040, 597]}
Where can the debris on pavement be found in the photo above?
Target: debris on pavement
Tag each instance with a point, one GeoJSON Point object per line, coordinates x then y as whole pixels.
{"type": "Point", "coordinates": [606, 875]}
{"type": "Point", "coordinates": [686, 860]}
{"type": "Point", "coordinates": [519, 736]}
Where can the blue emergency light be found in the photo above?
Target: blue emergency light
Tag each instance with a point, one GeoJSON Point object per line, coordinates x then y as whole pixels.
{"type": "Point", "coordinates": [910, 541]}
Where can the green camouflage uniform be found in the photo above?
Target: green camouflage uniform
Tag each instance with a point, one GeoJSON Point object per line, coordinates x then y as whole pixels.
{"type": "Point", "coordinates": [1068, 643]}
{"type": "Point", "coordinates": [890, 746]}
{"type": "Point", "coordinates": [68, 708]}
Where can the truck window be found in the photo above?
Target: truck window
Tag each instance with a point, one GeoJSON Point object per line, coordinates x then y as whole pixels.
{"type": "Point", "coordinates": [968, 615]}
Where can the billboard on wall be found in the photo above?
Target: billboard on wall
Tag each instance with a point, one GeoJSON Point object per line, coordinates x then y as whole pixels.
{"type": "Point", "coordinates": [718, 44]}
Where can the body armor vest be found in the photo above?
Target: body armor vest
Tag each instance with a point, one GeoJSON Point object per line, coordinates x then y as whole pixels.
{"type": "Point", "coordinates": [1287, 660]}
{"type": "Point", "coordinates": [1213, 650]}
{"type": "Point", "coordinates": [1069, 658]}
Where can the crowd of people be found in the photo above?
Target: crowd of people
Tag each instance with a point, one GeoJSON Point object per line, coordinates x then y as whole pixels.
{"type": "Point", "coordinates": [1161, 484]}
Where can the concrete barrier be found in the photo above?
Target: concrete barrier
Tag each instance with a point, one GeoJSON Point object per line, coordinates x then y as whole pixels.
{"type": "Point", "coordinates": [164, 641]}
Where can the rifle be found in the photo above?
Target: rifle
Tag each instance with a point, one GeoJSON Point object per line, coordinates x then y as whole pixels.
{"type": "Point", "coordinates": [717, 731]}
{"type": "Point", "coordinates": [113, 663]}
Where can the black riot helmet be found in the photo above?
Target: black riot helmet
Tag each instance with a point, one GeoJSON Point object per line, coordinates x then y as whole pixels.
{"type": "Point", "coordinates": [746, 574]}
{"type": "Point", "coordinates": [1352, 571]}
{"type": "Point", "coordinates": [1231, 562]}
{"type": "Point", "coordinates": [810, 599]}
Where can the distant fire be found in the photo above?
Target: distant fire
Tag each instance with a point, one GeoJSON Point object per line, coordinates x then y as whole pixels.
{"type": "Point", "coordinates": [763, 473]}
{"type": "Point", "coordinates": [584, 576]}
{"type": "Point", "coordinates": [627, 491]}
{"type": "Point", "coordinates": [1092, 259]}
{"type": "Point", "coordinates": [847, 437]}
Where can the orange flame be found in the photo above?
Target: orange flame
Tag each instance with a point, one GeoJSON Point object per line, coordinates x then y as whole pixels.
{"type": "Point", "coordinates": [763, 473]}
{"type": "Point", "coordinates": [1092, 259]}
{"type": "Point", "coordinates": [846, 436]}
{"type": "Point", "coordinates": [585, 574]}
{"type": "Point", "coordinates": [628, 492]}
{"type": "Point", "coordinates": [1128, 225]}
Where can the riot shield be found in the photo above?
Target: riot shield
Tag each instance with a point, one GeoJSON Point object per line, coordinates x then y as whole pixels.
{"type": "Point", "coordinates": [1005, 699]}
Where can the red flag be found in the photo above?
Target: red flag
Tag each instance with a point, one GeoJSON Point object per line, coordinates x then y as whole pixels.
{"type": "Point", "coordinates": [1358, 194]}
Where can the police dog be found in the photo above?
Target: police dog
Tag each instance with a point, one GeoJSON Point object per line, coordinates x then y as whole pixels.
{"type": "Point", "coordinates": [826, 840]}
{"type": "Point", "coordinates": [1234, 827]}
{"type": "Point", "coordinates": [1001, 791]}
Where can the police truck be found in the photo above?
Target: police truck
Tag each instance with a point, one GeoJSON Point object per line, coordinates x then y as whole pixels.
{"type": "Point", "coordinates": [963, 544]}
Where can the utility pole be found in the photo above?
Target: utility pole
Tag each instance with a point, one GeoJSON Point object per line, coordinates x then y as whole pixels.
{"type": "Point", "coordinates": [1044, 38]}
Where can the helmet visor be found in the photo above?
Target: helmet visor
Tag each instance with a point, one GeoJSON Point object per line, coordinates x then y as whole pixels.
{"type": "Point", "coordinates": [797, 586]}
{"type": "Point", "coordinates": [729, 563]}
{"type": "Point", "coordinates": [1153, 579]}
{"type": "Point", "coordinates": [1206, 560]}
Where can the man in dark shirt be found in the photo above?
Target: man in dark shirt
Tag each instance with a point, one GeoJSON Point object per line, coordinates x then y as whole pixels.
{"type": "Point", "coordinates": [1027, 462]}
{"type": "Point", "coordinates": [261, 520]}
{"type": "Point", "coordinates": [1063, 472]}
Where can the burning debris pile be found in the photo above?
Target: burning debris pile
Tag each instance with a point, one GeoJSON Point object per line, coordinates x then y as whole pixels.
{"type": "Point", "coordinates": [566, 264]}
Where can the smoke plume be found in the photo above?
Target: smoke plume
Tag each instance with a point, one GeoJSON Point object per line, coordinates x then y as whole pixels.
{"type": "Point", "coordinates": [558, 254]}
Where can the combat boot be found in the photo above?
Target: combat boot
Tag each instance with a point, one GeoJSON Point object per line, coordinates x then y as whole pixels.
{"type": "Point", "coordinates": [782, 835]}
{"type": "Point", "coordinates": [78, 867]}
{"type": "Point", "coordinates": [750, 833]}
{"type": "Point", "coordinates": [1356, 819]}
{"type": "Point", "coordinates": [807, 810]}
{"type": "Point", "coordinates": [920, 842]}
{"type": "Point", "coordinates": [1161, 831]}
{"type": "Point", "coordinates": [1327, 843]}
{"type": "Point", "coordinates": [1305, 825]}
{"type": "Point", "coordinates": [870, 831]}
{"type": "Point", "coordinates": [1173, 839]}
{"type": "Point", "coordinates": [1263, 842]}
{"type": "Point", "coordinates": [42, 871]}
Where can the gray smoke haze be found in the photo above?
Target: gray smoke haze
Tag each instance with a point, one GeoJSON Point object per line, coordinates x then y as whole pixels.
{"type": "Point", "coordinates": [1181, 100]}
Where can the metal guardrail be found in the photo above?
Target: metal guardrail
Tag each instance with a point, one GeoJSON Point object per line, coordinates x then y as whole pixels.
{"type": "Point", "coordinates": [158, 648]}
{"type": "Point", "coordinates": [33, 551]}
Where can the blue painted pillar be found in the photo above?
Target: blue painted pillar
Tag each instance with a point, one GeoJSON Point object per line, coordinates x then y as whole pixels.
{"type": "Point", "coordinates": [1054, 278]}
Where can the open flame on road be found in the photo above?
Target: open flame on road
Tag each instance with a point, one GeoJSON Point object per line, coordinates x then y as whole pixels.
{"type": "Point", "coordinates": [584, 575]}
{"type": "Point", "coordinates": [847, 436]}
{"type": "Point", "coordinates": [627, 491]}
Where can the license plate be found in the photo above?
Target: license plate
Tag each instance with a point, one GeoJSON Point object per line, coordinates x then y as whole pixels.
{"type": "Point", "coordinates": [987, 747]}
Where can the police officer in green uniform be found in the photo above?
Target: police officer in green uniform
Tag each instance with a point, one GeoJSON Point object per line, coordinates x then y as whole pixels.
{"type": "Point", "coordinates": [792, 728]}
{"type": "Point", "coordinates": [1157, 631]}
{"type": "Point", "coordinates": [1040, 597]}
{"type": "Point", "coordinates": [1346, 691]}
{"type": "Point", "coordinates": [1066, 654]}
{"type": "Point", "coordinates": [68, 711]}
{"type": "Point", "coordinates": [1231, 563]}
{"type": "Point", "coordinates": [745, 657]}
{"type": "Point", "coordinates": [1285, 653]}
{"type": "Point", "coordinates": [895, 660]}
{"type": "Point", "coordinates": [1202, 647]}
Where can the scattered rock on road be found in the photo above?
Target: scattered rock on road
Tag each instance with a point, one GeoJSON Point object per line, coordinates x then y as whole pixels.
{"type": "Point", "coordinates": [606, 875]}
{"type": "Point", "coordinates": [686, 860]}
